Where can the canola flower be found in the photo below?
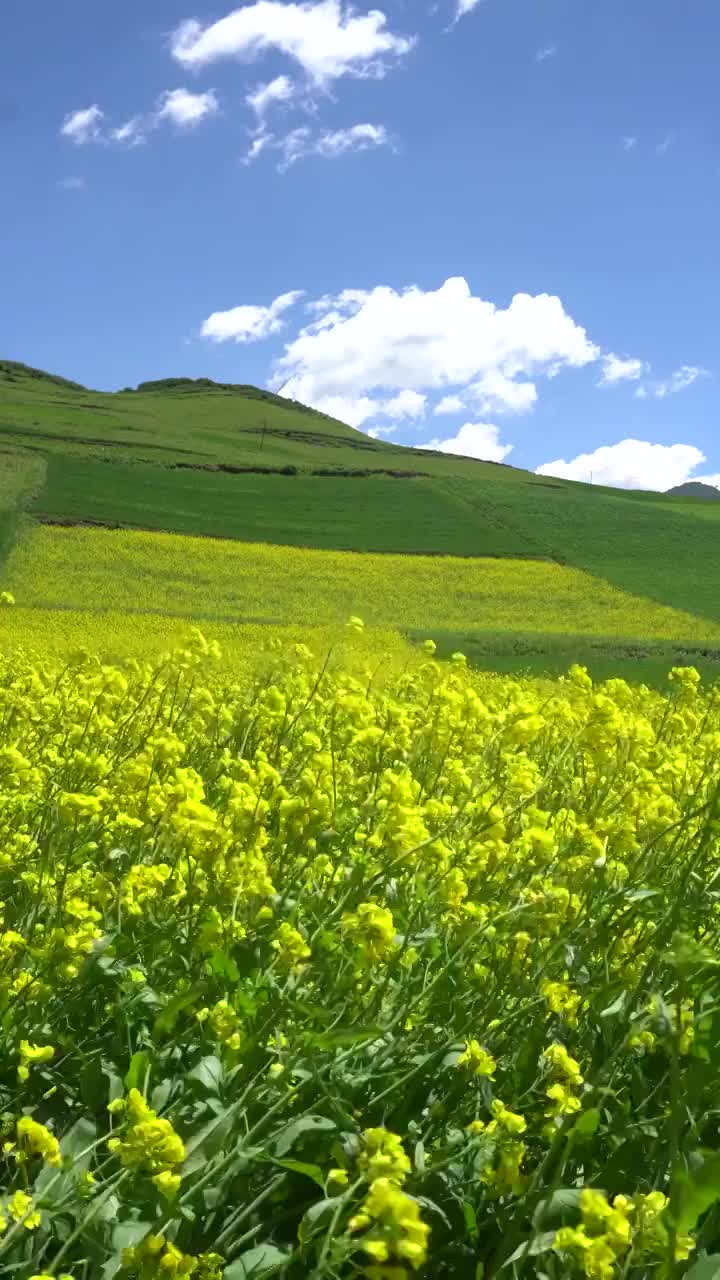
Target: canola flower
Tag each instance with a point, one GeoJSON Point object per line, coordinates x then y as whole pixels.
{"type": "Point", "coordinates": [346, 969]}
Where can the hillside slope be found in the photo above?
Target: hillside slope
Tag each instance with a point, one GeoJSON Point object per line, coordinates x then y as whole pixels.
{"type": "Point", "coordinates": [235, 462]}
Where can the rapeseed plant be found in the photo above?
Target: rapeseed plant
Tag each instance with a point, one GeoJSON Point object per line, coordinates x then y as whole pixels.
{"type": "Point", "coordinates": [356, 969]}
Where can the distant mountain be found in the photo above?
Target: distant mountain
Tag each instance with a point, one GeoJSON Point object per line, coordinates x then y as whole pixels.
{"type": "Point", "coordinates": [695, 489]}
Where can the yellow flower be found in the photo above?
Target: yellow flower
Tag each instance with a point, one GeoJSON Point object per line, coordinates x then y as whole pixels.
{"type": "Point", "coordinates": [35, 1139]}
{"type": "Point", "coordinates": [383, 1156]}
{"type": "Point", "coordinates": [30, 1053]}
{"type": "Point", "coordinates": [20, 1207]}
{"type": "Point", "coordinates": [292, 949]}
{"type": "Point", "coordinates": [477, 1060]}
{"type": "Point", "coordinates": [372, 928]}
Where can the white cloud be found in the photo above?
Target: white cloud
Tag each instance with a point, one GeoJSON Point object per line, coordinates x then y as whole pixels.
{"type": "Point", "coordinates": [179, 106]}
{"type": "Point", "coordinates": [360, 137]}
{"type": "Point", "coordinates": [712, 480]}
{"type": "Point", "coordinates": [465, 6]}
{"type": "Point", "coordinates": [132, 133]}
{"type": "Point", "coordinates": [495, 392]}
{"type": "Point", "coordinates": [631, 464]}
{"type": "Point", "coordinates": [187, 109]}
{"type": "Point", "coordinates": [406, 404]}
{"type": "Point", "coordinates": [680, 380]}
{"type": "Point", "coordinates": [249, 323]}
{"type": "Point", "coordinates": [72, 184]}
{"type": "Point", "coordinates": [382, 340]}
{"type": "Point", "coordinates": [620, 369]}
{"type": "Point", "coordinates": [83, 126]}
{"type": "Point", "coordinates": [474, 440]}
{"type": "Point", "coordinates": [377, 433]}
{"type": "Point", "coordinates": [300, 143]}
{"type": "Point", "coordinates": [629, 143]}
{"type": "Point", "coordinates": [326, 38]}
{"type": "Point", "coordinates": [547, 51]}
{"type": "Point", "coordinates": [281, 89]}
{"type": "Point", "coordinates": [449, 404]}
{"type": "Point", "coordinates": [667, 142]}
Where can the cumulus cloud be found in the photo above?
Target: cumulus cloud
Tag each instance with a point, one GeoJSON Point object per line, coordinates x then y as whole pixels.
{"type": "Point", "coordinates": [406, 404]}
{"type": "Point", "coordinates": [495, 392]}
{"type": "Point", "coordinates": [302, 142]}
{"type": "Point", "coordinates": [680, 380]}
{"type": "Point", "coordinates": [474, 440]}
{"type": "Point", "coordinates": [364, 343]}
{"type": "Point", "coordinates": [186, 109]}
{"type": "Point", "coordinates": [83, 126]}
{"type": "Point", "coordinates": [617, 369]}
{"type": "Point", "coordinates": [281, 89]}
{"type": "Point", "coordinates": [631, 464]}
{"type": "Point", "coordinates": [249, 323]}
{"type": "Point", "coordinates": [449, 404]}
{"type": "Point", "coordinates": [325, 37]}
{"type": "Point", "coordinates": [377, 433]}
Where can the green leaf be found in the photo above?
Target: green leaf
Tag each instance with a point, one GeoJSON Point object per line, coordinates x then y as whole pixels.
{"type": "Point", "coordinates": [616, 1008]}
{"type": "Point", "coordinates": [299, 1128]}
{"type": "Point", "coordinates": [556, 1208]}
{"type": "Point", "coordinates": [261, 1261]}
{"type": "Point", "coordinates": [542, 1243]}
{"type": "Point", "coordinates": [208, 1073]}
{"type": "Point", "coordinates": [344, 1037]}
{"type": "Point", "coordinates": [694, 1190]}
{"type": "Point", "coordinates": [298, 1166]}
{"type": "Point", "coordinates": [314, 1219]}
{"type": "Point", "coordinates": [221, 965]}
{"type": "Point", "coordinates": [75, 1142]}
{"type": "Point", "coordinates": [137, 1073]}
{"type": "Point", "coordinates": [586, 1124]}
{"type": "Point", "coordinates": [127, 1234]}
{"type": "Point", "coordinates": [705, 1269]}
{"type": "Point", "coordinates": [168, 1016]}
{"type": "Point", "coordinates": [471, 1222]}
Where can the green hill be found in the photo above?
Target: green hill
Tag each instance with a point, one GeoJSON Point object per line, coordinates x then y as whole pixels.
{"type": "Point", "coordinates": [695, 489]}
{"type": "Point", "coordinates": [232, 461]}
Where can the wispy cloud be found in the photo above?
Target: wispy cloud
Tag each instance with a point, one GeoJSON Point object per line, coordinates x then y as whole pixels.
{"type": "Point", "coordinates": [547, 51]}
{"type": "Point", "coordinates": [279, 90]}
{"type": "Point", "coordinates": [71, 184]}
{"type": "Point", "coordinates": [179, 107]}
{"type": "Point", "coordinates": [130, 134]}
{"type": "Point", "coordinates": [629, 143]}
{"type": "Point", "coordinates": [617, 369]}
{"type": "Point", "coordinates": [328, 143]}
{"type": "Point", "coordinates": [667, 142]}
{"type": "Point", "coordinates": [680, 380]}
{"type": "Point", "coordinates": [464, 7]}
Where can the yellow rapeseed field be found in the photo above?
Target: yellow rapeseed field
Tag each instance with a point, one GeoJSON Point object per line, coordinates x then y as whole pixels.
{"type": "Point", "coordinates": [55, 633]}
{"type": "Point", "coordinates": [209, 579]}
{"type": "Point", "coordinates": [333, 972]}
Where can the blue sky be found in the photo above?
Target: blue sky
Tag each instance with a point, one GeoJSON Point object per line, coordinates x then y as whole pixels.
{"type": "Point", "coordinates": [495, 229]}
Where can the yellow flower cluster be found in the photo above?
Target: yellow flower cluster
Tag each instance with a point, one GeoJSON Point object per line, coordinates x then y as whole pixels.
{"type": "Point", "coordinates": [339, 969]}
{"type": "Point", "coordinates": [610, 1231]}
{"type": "Point", "coordinates": [148, 1142]}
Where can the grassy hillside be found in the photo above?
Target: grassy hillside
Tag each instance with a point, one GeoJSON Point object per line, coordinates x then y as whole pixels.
{"type": "Point", "coordinates": [237, 463]}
